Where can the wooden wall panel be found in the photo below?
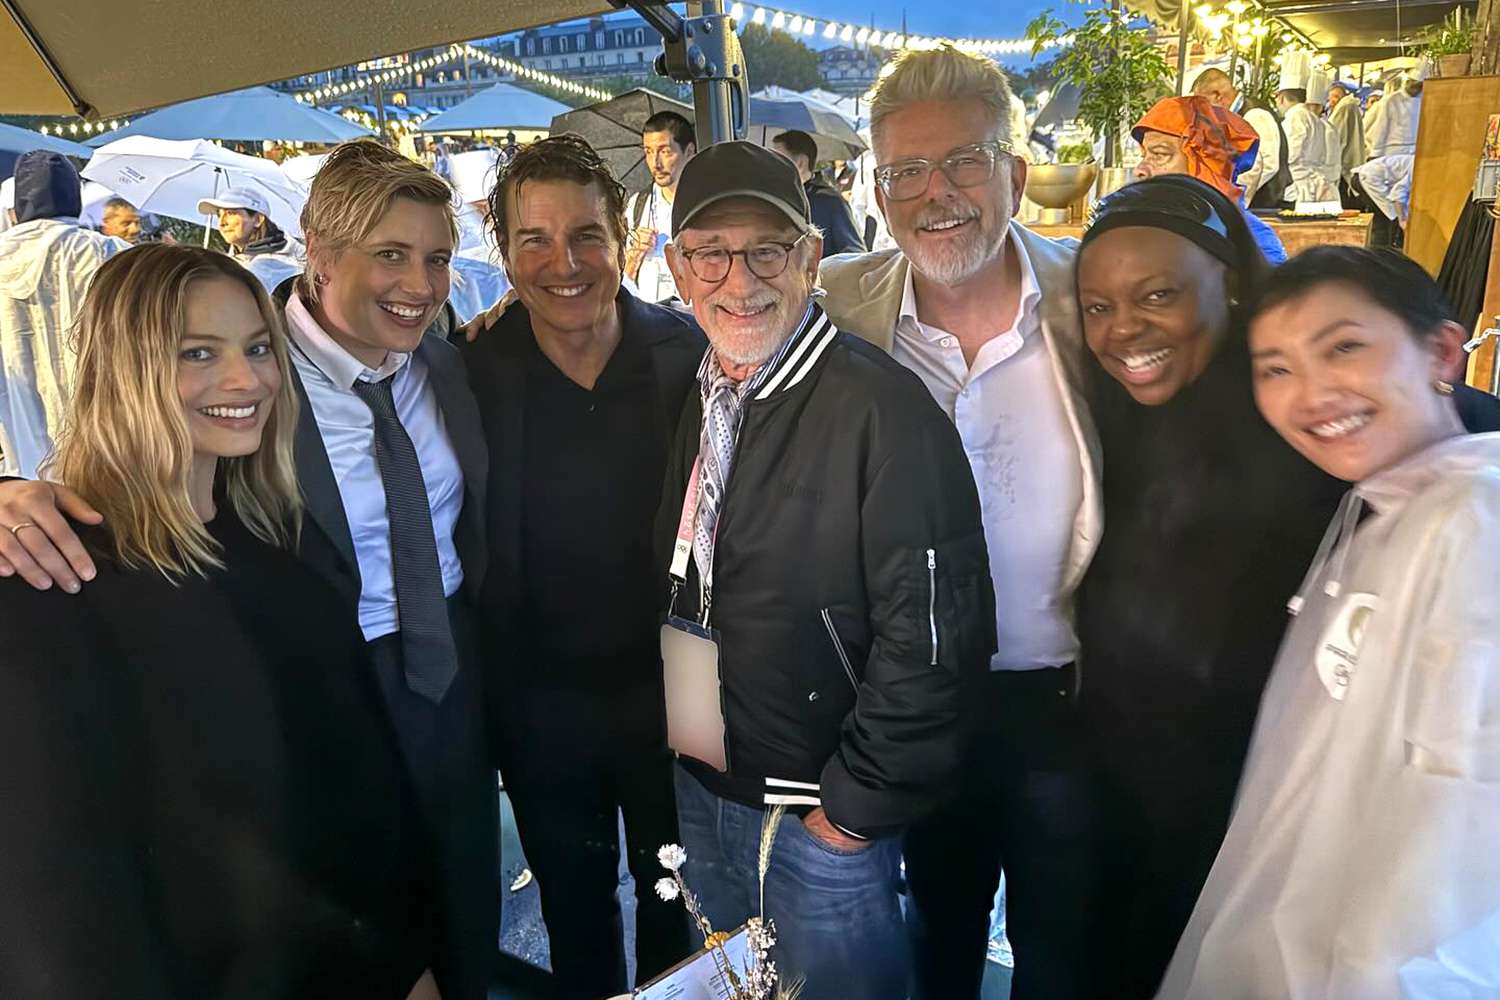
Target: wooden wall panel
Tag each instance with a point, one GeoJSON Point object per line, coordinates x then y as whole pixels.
{"type": "Point", "coordinates": [1449, 140]}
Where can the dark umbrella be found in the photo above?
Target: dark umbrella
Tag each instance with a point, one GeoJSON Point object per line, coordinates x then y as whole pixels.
{"type": "Point", "coordinates": [613, 128]}
{"type": "Point", "coordinates": [836, 138]}
{"type": "Point", "coordinates": [1062, 109]}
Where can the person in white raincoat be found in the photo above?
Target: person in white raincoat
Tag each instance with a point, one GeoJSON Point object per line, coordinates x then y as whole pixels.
{"type": "Point", "coordinates": [479, 279]}
{"type": "Point", "coordinates": [254, 240]}
{"type": "Point", "coordinates": [1363, 859]}
{"type": "Point", "coordinates": [46, 263]}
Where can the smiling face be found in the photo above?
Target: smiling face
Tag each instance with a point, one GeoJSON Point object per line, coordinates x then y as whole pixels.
{"type": "Point", "coordinates": [382, 293]}
{"type": "Point", "coordinates": [561, 253]}
{"type": "Point", "coordinates": [746, 317]}
{"type": "Point", "coordinates": [950, 234]}
{"type": "Point", "coordinates": [1155, 308]}
{"type": "Point", "coordinates": [227, 375]}
{"type": "Point", "coordinates": [1161, 153]}
{"type": "Point", "coordinates": [664, 158]}
{"type": "Point", "coordinates": [1347, 384]}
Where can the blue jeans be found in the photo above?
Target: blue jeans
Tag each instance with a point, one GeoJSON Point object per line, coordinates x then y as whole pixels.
{"type": "Point", "coordinates": [837, 913]}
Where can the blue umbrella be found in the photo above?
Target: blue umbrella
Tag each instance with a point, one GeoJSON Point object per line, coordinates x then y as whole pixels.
{"type": "Point", "coordinates": [502, 106]}
{"type": "Point", "coordinates": [15, 141]}
{"type": "Point", "coordinates": [256, 114]}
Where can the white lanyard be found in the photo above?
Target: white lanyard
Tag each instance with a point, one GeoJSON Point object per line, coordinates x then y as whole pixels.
{"type": "Point", "coordinates": [682, 550]}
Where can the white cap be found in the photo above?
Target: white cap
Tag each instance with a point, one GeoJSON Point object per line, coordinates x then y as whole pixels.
{"type": "Point", "coordinates": [1317, 86]}
{"type": "Point", "coordinates": [243, 198]}
{"type": "Point", "coordinates": [1296, 64]}
{"type": "Point", "coordinates": [473, 174]}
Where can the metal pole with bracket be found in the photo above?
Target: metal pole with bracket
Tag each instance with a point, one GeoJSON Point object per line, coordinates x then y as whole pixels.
{"type": "Point", "coordinates": [703, 50]}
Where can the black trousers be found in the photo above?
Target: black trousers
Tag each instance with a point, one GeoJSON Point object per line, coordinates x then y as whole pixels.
{"type": "Point", "coordinates": [583, 746]}
{"type": "Point", "coordinates": [1024, 806]}
{"type": "Point", "coordinates": [446, 753]}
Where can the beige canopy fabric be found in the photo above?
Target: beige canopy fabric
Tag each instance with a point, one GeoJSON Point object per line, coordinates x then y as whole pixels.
{"type": "Point", "coordinates": [110, 58]}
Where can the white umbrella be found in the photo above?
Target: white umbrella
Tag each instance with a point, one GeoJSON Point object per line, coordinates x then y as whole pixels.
{"type": "Point", "coordinates": [170, 177]}
{"type": "Point", "coordinates": [302, 169]}
{"type": "Point", "coordinates": [255, 114]}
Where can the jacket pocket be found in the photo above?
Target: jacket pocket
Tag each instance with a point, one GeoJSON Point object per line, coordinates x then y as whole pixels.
{"type": "Point", "coordinates": [838, 647]}
{"type": "Point", "coordinates": [959, 619]}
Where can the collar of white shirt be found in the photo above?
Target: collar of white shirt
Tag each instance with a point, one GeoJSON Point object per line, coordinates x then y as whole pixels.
{"type": "Point", "coordinates": [1026, 310]}
{"type": "Point", "coordinates": [338, 365]}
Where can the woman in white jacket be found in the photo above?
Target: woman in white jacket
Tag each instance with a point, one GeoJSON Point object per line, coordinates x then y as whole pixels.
{"type": "Point", "coordinates": [1363, 859]}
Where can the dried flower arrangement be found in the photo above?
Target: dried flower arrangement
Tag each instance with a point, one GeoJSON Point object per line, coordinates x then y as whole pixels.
{"type": "Point", "coordinates": [758, 980]}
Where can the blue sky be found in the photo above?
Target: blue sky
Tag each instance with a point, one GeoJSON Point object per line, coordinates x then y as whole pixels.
{"type": "Point", "coordinates": [954, 18]}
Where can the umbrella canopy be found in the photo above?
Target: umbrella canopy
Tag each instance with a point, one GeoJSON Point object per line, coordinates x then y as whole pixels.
{"type": "Point", "coordinates": [170, 178]}
{"type": "Point", "coordinates": [61, 57]}
{"type": "Point", "coordinates": [15, 141]}
{"type": "Point", "coordinates": [258, 113]}
{"type": "Point", "coordinates": [613, 128]}
{"type": "Point", "coordinates": [835, 137]}
{"type": "Point", "coordinates": [1061, 109]}
{"type": "Point", "coordinates": [502, 106]}
{"type": "Point", "coordinates": [23, 140]}
{"type": "Point", "coordinates": [302, 169]}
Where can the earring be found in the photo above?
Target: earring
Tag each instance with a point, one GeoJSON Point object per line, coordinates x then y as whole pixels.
{"type": "Point", "coordinates": [319, 279]}
{"type": "Point", "coordinates": [1443, 388]}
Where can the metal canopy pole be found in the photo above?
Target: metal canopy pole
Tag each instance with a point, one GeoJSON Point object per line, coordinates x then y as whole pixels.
{"type": "Point", "coordinates": [702, 49]}
{"type": "Point", "coordinates": [1184, 24]}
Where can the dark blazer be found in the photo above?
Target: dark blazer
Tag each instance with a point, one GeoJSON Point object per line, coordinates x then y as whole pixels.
{"type": "Point", "coordinates": [497, 371]}
{"type": "Point", "coordinates": [461, 816]}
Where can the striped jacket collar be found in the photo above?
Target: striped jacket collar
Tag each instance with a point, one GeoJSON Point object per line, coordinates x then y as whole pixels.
{"type": "Point", "coordinates": [791, 363]}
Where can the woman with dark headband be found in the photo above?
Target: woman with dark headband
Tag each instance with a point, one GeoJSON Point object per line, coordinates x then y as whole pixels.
{"type": "Point", "coordinates": [1209, 522]}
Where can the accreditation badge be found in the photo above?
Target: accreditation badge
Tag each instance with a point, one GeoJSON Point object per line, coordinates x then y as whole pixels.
{"type": "Point", "coordinates": [1338, 649]}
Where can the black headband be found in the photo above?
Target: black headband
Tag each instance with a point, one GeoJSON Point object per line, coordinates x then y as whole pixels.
{"type": "Point", "coordinates": [1176, 208]}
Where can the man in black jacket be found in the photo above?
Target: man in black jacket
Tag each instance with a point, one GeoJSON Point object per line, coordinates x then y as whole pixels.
{"type": "Point", "coordinates": [827, 552]}
{"type": "Point", "coordinates": [830, 212]}
{"type": "Point", "coordinates": [579, 387]}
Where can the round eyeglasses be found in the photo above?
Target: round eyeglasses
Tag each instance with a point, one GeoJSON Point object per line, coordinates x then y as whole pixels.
{"type": "Point", "coordinates": [966, 166]}
{"type": "Point", "coordinates": [765, 260]}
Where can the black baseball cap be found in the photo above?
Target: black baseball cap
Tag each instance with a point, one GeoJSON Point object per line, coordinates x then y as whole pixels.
{"type": "Point", "coordinates": [739, 170]}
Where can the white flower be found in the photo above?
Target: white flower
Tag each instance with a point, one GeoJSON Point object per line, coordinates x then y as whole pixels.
{"type": "Point", "coordinates": [672, 857]}
{"type": "Point", "coordinates": [667, 889]}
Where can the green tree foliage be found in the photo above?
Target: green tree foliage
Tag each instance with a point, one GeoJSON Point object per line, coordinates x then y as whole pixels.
{"type": "Point", "coordinates": [1119, 69]}
{"type": "Point", "coordinates": [775, 58]}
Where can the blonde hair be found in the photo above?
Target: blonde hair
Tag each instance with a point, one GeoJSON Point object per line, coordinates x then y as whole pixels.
{"type": "Point", "coordinates": [125, 445]}
{"type": "Point", "coordinates": [351, 193]}
{"type": "Point", "coordinates": [945, 73]}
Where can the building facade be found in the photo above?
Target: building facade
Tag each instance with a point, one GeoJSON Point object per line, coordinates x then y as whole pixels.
{"type": "Point", "coordinates": [599, 47]}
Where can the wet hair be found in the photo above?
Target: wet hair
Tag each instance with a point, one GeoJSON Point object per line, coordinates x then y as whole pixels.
{"type": "Point", "coordinates": [671, 121]}
{"type": "Point", "coordinates": [799, 143]}
{"type": "Point", "coordinates": [1390, 280]}
{"type": "Point", "coordinates": [556, 158]}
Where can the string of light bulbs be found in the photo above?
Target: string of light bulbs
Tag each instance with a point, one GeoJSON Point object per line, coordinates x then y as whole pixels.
{"type": "Point", "coordinates": [452, 54]}
{"type": "Point", "coordinates": [808, 26]}
{"type": "Point", "coordinates": [83, 128]}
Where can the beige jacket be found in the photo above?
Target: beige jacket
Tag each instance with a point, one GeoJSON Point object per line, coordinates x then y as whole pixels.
{"type": "Point", "coordinates": [864, 299]}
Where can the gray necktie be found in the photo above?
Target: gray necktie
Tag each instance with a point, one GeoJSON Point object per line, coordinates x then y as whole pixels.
{"type": "Point", "coordinates": [429, 656]}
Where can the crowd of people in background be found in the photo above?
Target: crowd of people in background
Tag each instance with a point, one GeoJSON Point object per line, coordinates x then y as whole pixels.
{"type": "Point", "coordinates": [1152, 570]}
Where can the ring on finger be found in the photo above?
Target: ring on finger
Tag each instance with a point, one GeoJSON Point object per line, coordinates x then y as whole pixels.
{"type": "Point", "coordinates": [16, 531]}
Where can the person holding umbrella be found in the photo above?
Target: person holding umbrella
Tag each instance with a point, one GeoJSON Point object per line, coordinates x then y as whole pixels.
{"type": "Point", "coordinates": [254, 240]}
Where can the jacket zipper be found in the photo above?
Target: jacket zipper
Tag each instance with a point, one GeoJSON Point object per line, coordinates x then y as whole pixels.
{"type": "Point", "coordinates": [932, 602]}
{"type": "Point", "coordinates": [838, 646]}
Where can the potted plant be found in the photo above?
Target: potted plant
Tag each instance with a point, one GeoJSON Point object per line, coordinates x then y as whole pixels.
{"type": "Point", "coordinates": [1450, 43]}
{"type": "Point", "coordinates": [1115, 63]}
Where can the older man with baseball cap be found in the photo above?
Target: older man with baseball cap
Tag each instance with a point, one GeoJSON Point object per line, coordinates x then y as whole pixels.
{"type": "Point", "coordinates": [828, 581]}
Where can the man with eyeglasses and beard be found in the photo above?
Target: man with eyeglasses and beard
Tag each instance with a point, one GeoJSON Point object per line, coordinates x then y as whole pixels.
{"type": "Point", "coordinates": [828, 568]}
{"type": "Point", "coordinates": [984, 313]}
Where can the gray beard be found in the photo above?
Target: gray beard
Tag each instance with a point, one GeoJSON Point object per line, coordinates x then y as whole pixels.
{"type": "Point", "coordinates": [957, 265]}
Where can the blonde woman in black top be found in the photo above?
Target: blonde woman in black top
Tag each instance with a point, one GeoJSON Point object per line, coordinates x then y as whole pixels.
{"type": "Point", "coordinates": [201, 797]}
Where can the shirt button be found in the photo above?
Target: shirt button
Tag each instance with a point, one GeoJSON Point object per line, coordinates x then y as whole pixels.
{"type": "Point", "coordinates": [591, 407]}
{"type": "Point", "coordinates": [813, 696]}
{"type": "Point", "coordinates": [947, 341]}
